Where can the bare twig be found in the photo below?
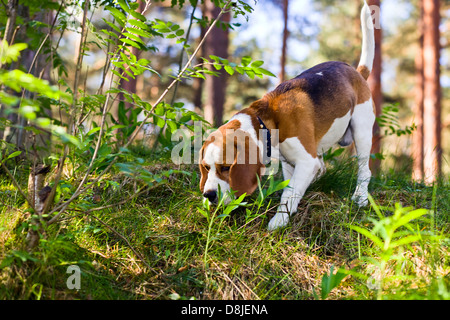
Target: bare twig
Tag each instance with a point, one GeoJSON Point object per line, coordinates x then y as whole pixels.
{"type": "Point", "coordinates": [180, 62]}
{"type": "Point", "coordinates": [46, 37]}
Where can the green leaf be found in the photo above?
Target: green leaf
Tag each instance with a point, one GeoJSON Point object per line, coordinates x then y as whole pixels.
{"type": "Point", "coordinates": [118, 15]}
{"type": "Point", "coordinates": [112, 25]}
{"type": "Point", "coordinates": [130, 42]}
{"type": "Point", "coordinates": [329, 282]}
{"type": "Point", "coordinates": [405, 240]}
{"type": "Point", "coordinates": [369, 235]}
{"type": "Point", "coordinates": [14, 154]}
{"type": "Point", "coordinates": [403, 220]}
{"type": "Point", "coordinates": [229, 70]}
{"type": "Point", "coordinates": [10, 53]}
{"type": "Point", "coordinates": [137, 15]}
{"type": "Point", "coordinates": [93, 131]}
{"type": "Point", "coordinates": [257, 63]}
{"type": "Point", "coordinates": [133, 37]}
{"type": "Point", "coordinates": [246, 61]}
{"type": "Point", "coordinates": [139, 24]}
{"type": "Point", "coordinates": [139, 32]}
{"type": "Point", "coordinates": [266, 72]}
{"type": "Point", "coordinates": [281, 185]}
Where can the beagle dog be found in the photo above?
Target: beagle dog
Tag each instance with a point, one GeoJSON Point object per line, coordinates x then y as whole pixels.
{"type": "Point", "coordinates": [328, 104]}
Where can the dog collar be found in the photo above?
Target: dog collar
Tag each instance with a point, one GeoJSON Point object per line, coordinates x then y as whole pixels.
{"type": "Point", "coordinates": [267, 138]}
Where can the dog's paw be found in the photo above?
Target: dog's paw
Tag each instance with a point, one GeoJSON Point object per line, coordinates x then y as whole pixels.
{"type": "Point", "coordinates": [360, 200]}
{"type": "Point", "coordinates": [280, 220]}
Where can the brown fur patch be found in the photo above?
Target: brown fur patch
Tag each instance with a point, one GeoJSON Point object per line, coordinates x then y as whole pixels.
{"type": "Point", "coordinates": [364, 71]}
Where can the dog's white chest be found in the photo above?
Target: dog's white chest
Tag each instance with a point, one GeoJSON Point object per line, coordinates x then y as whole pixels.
{"type": "Point", "coordinates": [334, 134]}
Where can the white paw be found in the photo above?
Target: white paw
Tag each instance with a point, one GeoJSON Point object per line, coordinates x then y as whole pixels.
{"type": "Point", "coordinates": [360, 199]}
{"type": "Point", "coordinates": [280, 220]}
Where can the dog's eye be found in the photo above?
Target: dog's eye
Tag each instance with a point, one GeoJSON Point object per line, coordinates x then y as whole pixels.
{"type": "Point", "coordinates": [225, 168]}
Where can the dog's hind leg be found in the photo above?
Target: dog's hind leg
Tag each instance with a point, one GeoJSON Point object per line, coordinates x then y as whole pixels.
{"type": "Point", "coordinates": [361, 123]}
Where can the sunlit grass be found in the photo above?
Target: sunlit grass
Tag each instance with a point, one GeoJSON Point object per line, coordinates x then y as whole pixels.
{"type": "Point", "coordinates": [188, 255]}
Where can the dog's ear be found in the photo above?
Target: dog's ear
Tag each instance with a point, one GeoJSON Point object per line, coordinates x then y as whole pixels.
{"type": "Point", "coordinates": [203, 171]}
{"type": "Point", "coordinates": [245, 169]}
{"type": "Point", "coordinates": [243, 178]}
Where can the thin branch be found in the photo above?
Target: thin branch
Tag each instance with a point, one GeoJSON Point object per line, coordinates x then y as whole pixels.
{"type": "Point", "coordinates": [180, 62]}
{"type": "Point", "coordinates": [45, 39]}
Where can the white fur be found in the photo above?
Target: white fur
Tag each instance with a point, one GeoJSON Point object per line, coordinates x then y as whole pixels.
{"type": "Point", "coordinates": [368, 38]}
{"type": "Point", "coordinates": [362, 122]}
{"type": "Point", "coordinates": [301, 168]}
{"type": "Point", "coordinates": [336, 131]}
{"type": "Point", "coordinates": [211, 157]}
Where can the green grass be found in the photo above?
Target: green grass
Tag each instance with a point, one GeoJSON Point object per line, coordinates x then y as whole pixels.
{"type": "Point", "coordinates": [243, 260]}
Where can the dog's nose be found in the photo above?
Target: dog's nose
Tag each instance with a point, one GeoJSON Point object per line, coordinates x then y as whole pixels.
{"type": "Point", "coordinates": [210, 195]}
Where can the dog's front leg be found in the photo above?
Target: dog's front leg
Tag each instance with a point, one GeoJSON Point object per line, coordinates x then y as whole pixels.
{"type": "Point", "coordinates": [303, 175]}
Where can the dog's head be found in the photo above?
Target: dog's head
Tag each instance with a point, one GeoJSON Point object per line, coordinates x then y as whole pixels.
{"type": "Point", "coordinates": [229, 160]}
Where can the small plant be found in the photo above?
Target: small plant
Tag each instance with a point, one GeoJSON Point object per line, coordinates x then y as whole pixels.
{"type": "Point", "coordinates": [391, 236]}
{"type": "Point", "coordinates": [221, 212]}
{"type": "Point", "coordinates": [389, 121]}
{"type": "Point", "coordinates": [264, 193]}
{"type": "Point", "coordinates": [329, 282]}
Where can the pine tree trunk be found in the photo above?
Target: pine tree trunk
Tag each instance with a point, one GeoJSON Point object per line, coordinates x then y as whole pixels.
{"type": "Point", "coordinates": [417, 138]}
{"type": "Point", "coordinates": [377, 95]}
{"type": "Point", "coordinates": [432, 92]}
{"type": "Point", "coordinates": [285, 37]}
{"type": "Point", "coordinates": [215, 44]}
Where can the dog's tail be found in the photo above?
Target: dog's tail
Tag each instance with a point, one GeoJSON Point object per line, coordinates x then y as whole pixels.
{"type": "Point", "coordinates": [368, 42]}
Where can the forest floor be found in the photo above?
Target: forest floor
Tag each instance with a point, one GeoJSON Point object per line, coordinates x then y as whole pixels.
{"type": "Point", "coordinates": [159, 245]}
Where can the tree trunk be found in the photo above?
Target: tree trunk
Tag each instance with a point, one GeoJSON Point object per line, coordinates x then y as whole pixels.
{"type": "Point", "coordinates": [285, 37]}
{"type": "Point", "coordinates": [215, 44]}
{"type": "Point", "coordinates": [417, 138]}
{"type": "Point", "coordinates": [11, 22]}
{"type": "Point", "coordinates": [375, 86]}
{"type": "Point", "coordinates": [432, 92]}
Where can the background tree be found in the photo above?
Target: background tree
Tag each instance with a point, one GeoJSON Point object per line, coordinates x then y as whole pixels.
{"type": "Point", "coordinates": [217, 45]}
{"type": "Point", "coordinates": [417, 138]}
{"type": "Point", "coordinates": [375, 84]}
{"type": "Point", "coordinates": [432, 91]}
{"type": "Point", "coordinates": [285, 7]}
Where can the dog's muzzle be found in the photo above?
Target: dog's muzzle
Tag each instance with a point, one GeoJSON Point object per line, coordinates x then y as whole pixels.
{"type": "Point", "coordinates": [211, 195]}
